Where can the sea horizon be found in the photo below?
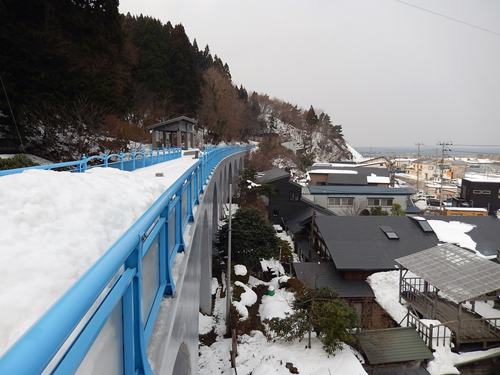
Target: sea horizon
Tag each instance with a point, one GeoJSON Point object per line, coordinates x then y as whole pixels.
{"type": "Point", "coordinates": [436, 150]}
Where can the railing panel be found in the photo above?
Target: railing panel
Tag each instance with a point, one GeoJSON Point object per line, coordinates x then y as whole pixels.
{"type": "Point", "coordinates": [150, 277]}
{"type": "Point", "coordinates": [106, 354]}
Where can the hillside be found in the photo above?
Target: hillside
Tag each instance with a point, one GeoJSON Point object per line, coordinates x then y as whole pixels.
{"type": "Point", "coordinates": [81, 78]}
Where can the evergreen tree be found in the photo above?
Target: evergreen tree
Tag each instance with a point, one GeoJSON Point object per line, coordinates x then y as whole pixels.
{"type": "Point", "coordinates": [186, 79]}
{"type": "Point", "coordinates": [321, 310]}
{"type": "Point", "coordinates": [253, 238]}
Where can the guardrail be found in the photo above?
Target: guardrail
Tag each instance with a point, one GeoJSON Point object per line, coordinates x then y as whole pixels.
{"type": "Point", "coordinates": [120, 295]}
{"type": "Point", "coordinates": [128, 161]}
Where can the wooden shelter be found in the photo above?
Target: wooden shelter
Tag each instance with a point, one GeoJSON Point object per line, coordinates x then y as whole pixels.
{"type": "Point", "coordinates": [445, 283]}
{"type": "Point", "coordinates": [177, 132]}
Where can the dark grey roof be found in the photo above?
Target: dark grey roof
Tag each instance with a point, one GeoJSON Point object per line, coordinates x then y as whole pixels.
{"type": "Point", "coordinates": [303, 244]}
{"type": "Point", "coordinates": [272, 175]}
{"type": "Point", "coordinates": [486, 231]}
{"type": "Point", "coordinates": [358, 243]}
{"type": "Point", "coordinates": [346, 179]}
{"type": "Point", "coordinates": [359, 190]}
{"type": "Point", "coordinates": [165, 125]}
{"type": "Point", "coordinates": [401, 344]}
{"type": "Point", "coordinates": [296, 222]}
{"type": "Point", "coordinates": [325, 274]}
{"type": "Point", "coordinates": [461, 274]}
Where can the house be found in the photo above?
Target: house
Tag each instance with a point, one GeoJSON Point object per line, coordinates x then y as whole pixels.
{"type": "Point", "coordinates": [355, 200]}
{"type": "Point", "coordinates": [287, 200]}
{"type": "Point", "coordinates": [359, 246]}
{"type": "Point", "coordinates": [430, 169]}
{"type": "Point", "coordinates": [480, 193]}
{"type": "Point", "coordinates": [465, 211]}
{"type": "Point", "coordinates": [449, 191]}
{"type": "Point", "coordinates": [348, 174]}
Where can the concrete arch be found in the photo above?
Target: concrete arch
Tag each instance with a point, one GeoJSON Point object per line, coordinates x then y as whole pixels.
{"type": "Point", "coordinates": [173, 345]}
{"type": "Point", "coordinates": [182, 364]}
{"type": "Point", "coordinates": [205, 246]}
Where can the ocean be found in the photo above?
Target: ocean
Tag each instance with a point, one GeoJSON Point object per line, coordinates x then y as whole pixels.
{"type": "Point", "coordinates": [453, 151]}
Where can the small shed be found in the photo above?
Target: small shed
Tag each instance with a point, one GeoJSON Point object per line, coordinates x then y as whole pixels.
{"type": "Point", "coordinates": [177, 132]}
{"type": "Point", "coordinates": [394, 348]}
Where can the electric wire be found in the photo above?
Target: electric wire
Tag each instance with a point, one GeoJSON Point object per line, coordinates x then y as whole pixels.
{"type": "Point", "coordinates": [450, 18]}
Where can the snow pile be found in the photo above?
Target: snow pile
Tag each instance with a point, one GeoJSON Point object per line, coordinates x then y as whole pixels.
{"type": "Point", "coordinates": [240, 270]}
{"type": "Point", "coordinates": [272, 265]}
{"type": "Point", "coordinates": [454, 232]}
{"type": "Point", "coordinates": [385, 286]}
{"type": "Point", "coordinates": [247, 298]}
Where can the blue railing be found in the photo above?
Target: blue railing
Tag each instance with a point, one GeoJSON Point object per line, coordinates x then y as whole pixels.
{"type": "Point", "coordinates": [121, 292]}
{"type": "Point", "coordinates": [128, 161]}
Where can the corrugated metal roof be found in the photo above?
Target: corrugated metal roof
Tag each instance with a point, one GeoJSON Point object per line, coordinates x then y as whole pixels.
{"type": "Point", "coordinates": [392, 345]}
{"type": "Point", "coordinates": [459, 273]}
{"type": "Point", "coordinates": [359, 190]}
{"type": "Point", "coordinates": [325, 274]}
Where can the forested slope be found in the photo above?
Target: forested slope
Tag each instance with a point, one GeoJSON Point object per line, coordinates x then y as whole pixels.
{"type": "Point", "coordinates": [78, 77]}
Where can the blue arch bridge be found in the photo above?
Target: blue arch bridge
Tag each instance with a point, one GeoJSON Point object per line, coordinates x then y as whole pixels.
{"type": "Point", "coordinates": [128, 314]}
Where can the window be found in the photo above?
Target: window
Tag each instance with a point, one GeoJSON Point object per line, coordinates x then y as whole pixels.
{"type": "Point", "coordinates": [430, 168]}
{"type": "Point", "coordinates": [340, 201]}
{"type": "Point", "coordinates": [383, 202]}
{"type": "Point", "coordinates": [482, 192]}
{"type": "Point", "coordinates": [294, 196]}
{"type": "Point", "coordinates": [277, 192]}
{"type": "Point", "coordinates": [498, 193]}
{"type": "Point", "coordinates": [389, 232]}
{"type": "Point", "coordinates": [276, 213]}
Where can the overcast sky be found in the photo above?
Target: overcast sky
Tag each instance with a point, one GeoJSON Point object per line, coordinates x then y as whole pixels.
{"type": "Point", "coordinates": [390, 73]}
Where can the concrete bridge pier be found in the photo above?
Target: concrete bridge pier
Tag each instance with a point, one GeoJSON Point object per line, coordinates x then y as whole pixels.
{"type": "Point", "coordinates": [173, 346]}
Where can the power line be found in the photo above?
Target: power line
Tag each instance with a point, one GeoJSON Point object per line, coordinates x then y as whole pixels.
{"type": "Point", "coordinates": [453, 19]}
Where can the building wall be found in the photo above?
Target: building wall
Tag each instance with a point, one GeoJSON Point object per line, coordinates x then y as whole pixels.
{"type": "Point", "coordinates": [286, 202]}
{"type": "Point", "coordinates": [485, 194]}
{"type": "Point", "coordinates": [360, 202]}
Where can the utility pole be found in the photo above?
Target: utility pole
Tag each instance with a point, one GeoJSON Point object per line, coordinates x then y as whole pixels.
{"type": "Point", "coordinates": [418, 159]}
{"type": "Point", "coordinates": [443, 144]}
{"type": "Point", "coordinates": [228, 269]}
{"type": "Point", "coordinates": [311, 237]}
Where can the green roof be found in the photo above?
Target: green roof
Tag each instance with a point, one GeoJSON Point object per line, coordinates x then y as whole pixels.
{"type": "Point", "coordinates": [391, 345]}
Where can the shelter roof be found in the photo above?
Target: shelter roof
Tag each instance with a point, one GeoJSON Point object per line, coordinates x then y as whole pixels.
{"type": "Point", "coordinates": [401, 344]}
{"type": "Point", "coordinates": [325, 274]}
{"type": "Point", "coordinates": [169, 125]}
{"type": "Point", "coordinates": [459, 273]}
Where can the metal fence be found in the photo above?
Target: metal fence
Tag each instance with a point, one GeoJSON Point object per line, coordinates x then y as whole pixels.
{"type": "Point", "coordinates": [128, 161]}
{"type": "Point", "coordinates": [114, 305]}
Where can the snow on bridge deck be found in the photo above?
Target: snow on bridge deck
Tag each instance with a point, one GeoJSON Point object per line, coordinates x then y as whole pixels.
{"type": "Point", "coordinates": [56, 225]}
